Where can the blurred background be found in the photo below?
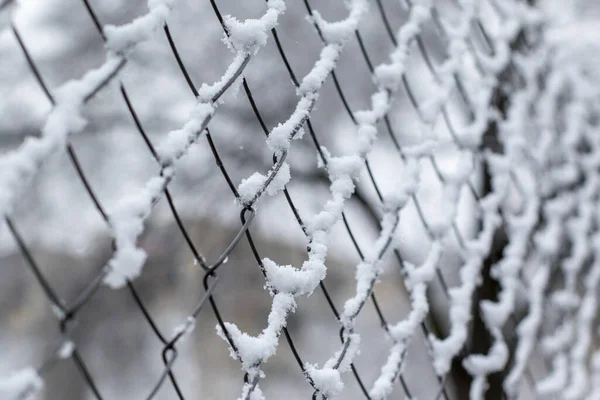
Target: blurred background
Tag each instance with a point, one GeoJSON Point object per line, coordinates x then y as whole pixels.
{"type": "Point", "coordinates": [70, 241]}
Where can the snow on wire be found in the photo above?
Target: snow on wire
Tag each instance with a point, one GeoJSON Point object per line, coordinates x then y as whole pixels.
{"type": "Point", "coordinates": [526, 122]}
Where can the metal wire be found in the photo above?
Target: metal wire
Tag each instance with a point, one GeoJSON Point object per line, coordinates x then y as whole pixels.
{"type": "Point", "coordinates": [68, 311]}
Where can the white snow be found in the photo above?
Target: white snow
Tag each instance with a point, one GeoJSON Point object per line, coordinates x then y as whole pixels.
{"type": "Point", "coordinates": [250, 187]}
{"type": "Point", "coordinates": [19, 166]}
{"type": "Point", "coordinates": [280, 137]}
{"type": "Point", "coordinates": [544, 190]}
{"type": "Point", "coordinates": [128, 215]}
{"type": "Point", "coordinates": [186, 328]}
{"type": "Point", "coordinates": [327, 380]}
{"type": "Point", "coordinates": [127, 223]}
{"type": "Point", "coordinates": [207, 93]}
{"type": "Point", "coordinates": [122, 38]}
{"type": "Point", "coordinates": [461, 297]}
{"type": "Point", "coordinates": [23, 384]}
{"type": "Point", "coordinates": [66, 349]}
{"type": "Point", "coordinates": [177, 141]}
{"type": "Point", "coordinates": [244, 40]}
{"type": "Point", "coordinates": [287, 282]}
{"type": "Point", "coordinates": [250, 35]}
{"type": "Point", "coordinates": [252, 351]}
{"type": "Point", "coordinates": [417, 280]}
{"type": "Point", "coordinates": [281, 179]}
{"type": "Point", "coordinates": [520, 225]}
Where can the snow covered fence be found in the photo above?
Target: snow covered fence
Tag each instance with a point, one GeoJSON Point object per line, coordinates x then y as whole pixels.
{"type": "Point", "coordinates": [487, 199]}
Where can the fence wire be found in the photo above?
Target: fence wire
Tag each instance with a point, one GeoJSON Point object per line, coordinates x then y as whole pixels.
{"type": "Point", "coordinates": [483, 73]}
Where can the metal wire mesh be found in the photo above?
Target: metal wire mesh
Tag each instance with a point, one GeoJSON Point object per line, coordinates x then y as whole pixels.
{"type": "Point", "coordinates": [416, 31]}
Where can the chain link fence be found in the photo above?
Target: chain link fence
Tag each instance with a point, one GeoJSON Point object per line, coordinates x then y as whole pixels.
{"type": "Point", "coordinates": [437, 244]}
